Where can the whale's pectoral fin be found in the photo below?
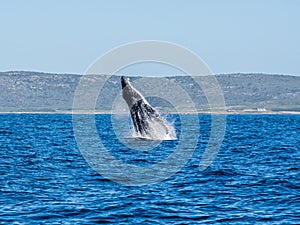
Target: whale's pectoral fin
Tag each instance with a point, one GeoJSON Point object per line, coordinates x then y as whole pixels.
{"type": "Point", "coordinates": [150, 109]}
{"type": "Point", "coordinates": [134, 120]}
{"type": "Point", "coordinates": [140, 123]}
{"type": "Point", "coordinates": [151, 112]}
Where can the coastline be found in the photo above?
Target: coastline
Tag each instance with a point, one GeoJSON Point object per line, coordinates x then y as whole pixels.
{"type": "Point", "coordinates": [86, 112]}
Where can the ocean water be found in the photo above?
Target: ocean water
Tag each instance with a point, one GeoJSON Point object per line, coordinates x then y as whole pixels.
{"type": "Point", "coordinates": [255, 178]}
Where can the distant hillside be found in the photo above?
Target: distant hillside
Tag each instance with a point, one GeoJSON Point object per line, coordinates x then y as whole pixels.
{"type": "Point", "coordinates": [273, 92]}
{"type": "Point", "coordinates": [35, 91]}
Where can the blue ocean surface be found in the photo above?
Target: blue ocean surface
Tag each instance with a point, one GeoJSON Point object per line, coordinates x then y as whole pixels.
{"type": "Point", "coordinates": [255, 178]}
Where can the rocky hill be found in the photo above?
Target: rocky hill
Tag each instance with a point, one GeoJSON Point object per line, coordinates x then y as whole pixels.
{"type": "Point", "coordinates": [23, 91]}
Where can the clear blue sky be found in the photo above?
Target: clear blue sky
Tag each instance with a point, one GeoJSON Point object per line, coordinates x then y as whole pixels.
{"type": "Point", "coordinates": [230, 36]}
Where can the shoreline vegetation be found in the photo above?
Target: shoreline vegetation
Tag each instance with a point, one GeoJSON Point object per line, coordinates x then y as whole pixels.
{"type": "Point", "coordinates": [24, 92]}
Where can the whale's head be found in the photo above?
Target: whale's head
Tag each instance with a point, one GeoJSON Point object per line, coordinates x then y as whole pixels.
{"type": "Point", "coordinates": [130, 94]}
{"type": "Point", "coordinates": [124, 81]}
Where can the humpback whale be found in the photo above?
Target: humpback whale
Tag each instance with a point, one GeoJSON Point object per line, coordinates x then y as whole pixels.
{"type": "Point", "coordinates": [146, 120]}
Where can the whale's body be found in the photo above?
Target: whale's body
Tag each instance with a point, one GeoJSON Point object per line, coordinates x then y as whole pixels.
{"type": "Point", "coordinates": [146, 120]}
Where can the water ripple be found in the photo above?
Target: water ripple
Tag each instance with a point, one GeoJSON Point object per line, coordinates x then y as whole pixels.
{"type": "Point", "coordinates": [254, 179]}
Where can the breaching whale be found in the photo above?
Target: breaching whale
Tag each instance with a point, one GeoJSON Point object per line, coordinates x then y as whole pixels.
{"type": "Point", "coordinates": [146, 120]}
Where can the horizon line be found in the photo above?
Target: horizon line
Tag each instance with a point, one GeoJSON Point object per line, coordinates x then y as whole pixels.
{"type": "Point", "coordinates": [147, 75]}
